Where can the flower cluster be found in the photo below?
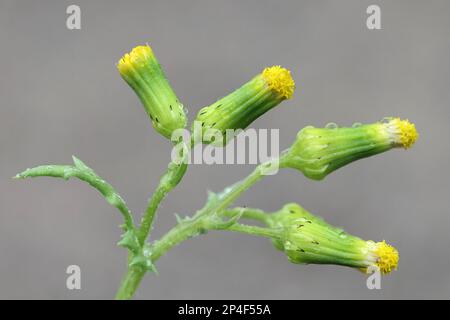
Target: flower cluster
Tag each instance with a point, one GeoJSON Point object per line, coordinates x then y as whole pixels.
{"type": "Point", "coordinates": [316, 152]}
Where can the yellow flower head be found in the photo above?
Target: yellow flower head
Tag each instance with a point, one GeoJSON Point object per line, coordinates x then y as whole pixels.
{"type": "Point", "coordinates": [143, 73]}
{"type": "Point", "coordinates": [404, 132]}
{"type": "Point", "coordinates": [280, 80]}
{"type": "Point", "coordinates": [135, 58]}
{"type": "Point", "coordinates": [308, 239]}
{"type": "Point", "coordinates": [241, 107]}
{"type": "Point", "coordinates": [383, 256]}
{"type": "Point", "coordinates": [319, 151]}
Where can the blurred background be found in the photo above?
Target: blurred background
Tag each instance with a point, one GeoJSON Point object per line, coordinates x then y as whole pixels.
{"type": "Point", "coordinates": [60, 94]}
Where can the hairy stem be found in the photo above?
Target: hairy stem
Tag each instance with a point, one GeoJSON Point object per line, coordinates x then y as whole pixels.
{"type": "Point", "coordinates": [254, 230]}
{"type": "Point", "coordinates": [189, 228]}
{"type": "Point", "coordinates": [149, 215]}
{"type": "Point", "coordinates": [130, 283]}
{"type": "Point", "coordinates": [175, 236]}
{"type": "Point", "coordinates": [172, 177]}
{"type": "Point", "coordinates": [230, 194]}
{"type": "Point", "coordinates": [181, 232]}
{"type": "Point", "coordinates": [248, 213]}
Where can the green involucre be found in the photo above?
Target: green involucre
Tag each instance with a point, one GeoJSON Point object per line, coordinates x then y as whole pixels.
{"type": "Point", "coordinates": [319, 151]}
{"type": "Point", "coordinates": [142, 71]}
{"type": "Point", "coordinates": [236, 110]}
{"type": "Point", "coordinates": [308, 239]}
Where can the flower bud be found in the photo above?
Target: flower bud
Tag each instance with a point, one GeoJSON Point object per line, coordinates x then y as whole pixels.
{"type": "Point", "coordinates": [307, 239]}
{"type": "Point", "coordinates": [241, 107]}
{"type": "Point", "coordinates": [141, 70]}
{"type": "Point", "coordinates": [319, 151]}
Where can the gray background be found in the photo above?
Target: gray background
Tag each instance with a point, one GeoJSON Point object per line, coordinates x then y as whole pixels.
{"type": "Point", "coordinates": [60, 94]}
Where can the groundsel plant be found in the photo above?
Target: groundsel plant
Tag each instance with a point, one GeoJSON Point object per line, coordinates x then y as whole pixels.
{"type": "Point", "coordinates": [316, 152]}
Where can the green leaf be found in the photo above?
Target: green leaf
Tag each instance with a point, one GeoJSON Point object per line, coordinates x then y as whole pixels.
{"type": "Point", "coordinates": [180, 219]}
{"type": "Point", "coordinates": [143, 260]}
{"type": "Point", "coordinates": [81, 165]}
{"type": "Point", "coordinates": [217, 222]}
{"type": "Point", "coordinates": [130, 241]}
{"type": "Point", "coordinates": [81, 171]}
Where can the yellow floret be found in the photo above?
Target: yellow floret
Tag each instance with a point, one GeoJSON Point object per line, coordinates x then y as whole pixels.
{"type": "Point", "coordinates": [280, 80]}
{"type": "Point", "coordinates": [387, 257]}
{"type": "Point", "coordinates": [135, 58]}
{"type": "Point", "coordinates": [408, 132]}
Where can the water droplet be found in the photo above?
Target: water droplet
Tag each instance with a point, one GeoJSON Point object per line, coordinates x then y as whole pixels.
{"type": "Point", "coordinates": [356, 125]}
{"type": "Point", "coordinates": [331, 125]}
{"type": "Point", "coordinates": [185, 110]}
{"type": "Point", "coordinates": [227, 190]}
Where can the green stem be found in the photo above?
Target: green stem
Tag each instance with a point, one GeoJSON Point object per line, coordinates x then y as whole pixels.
{"type": "Point", "coordinates": [176, 235]}
{"type": "Point", "coordinates": [170, 179]}
{"type": "Point", "coordinates": [230, 194]}
{"type": "Point", "coordinates": [248, 213]}
{"type": "Point", "coordinates": [174, 174]}
{"type": "Point", "coordinates": [149, 215]}
{"type": "Point", "coordinates": [190, 227]}
{"type": "Point", "coordinates": [254, 230]}
{"type": "Point", "coordinates": [130, 283]}
{"type": "Point", "coordinates": [181, 232]}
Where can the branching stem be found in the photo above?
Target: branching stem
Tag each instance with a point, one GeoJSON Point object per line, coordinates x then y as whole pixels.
{"type": "Point", "coordinates": [208, 218]}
